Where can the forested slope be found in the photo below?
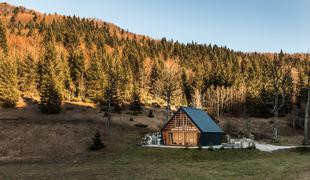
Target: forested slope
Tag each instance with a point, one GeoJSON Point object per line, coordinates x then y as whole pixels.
{"type": "Point", "coordinates": [60, 58]}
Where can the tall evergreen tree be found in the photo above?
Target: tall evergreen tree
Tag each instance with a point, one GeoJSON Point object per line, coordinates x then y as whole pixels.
{"type": "Point", "coordinates": [9, 93]}
{"type": "Point", "coordinates": [77, 69]}
{"type": "Point", "coordinates": [27, 73]}
{"type": "Point", "coordinates": [95, 81]}
{"type": "Point", "coordinates": [154, 78]}
{"type": "Point", "coordinates": [110, 92]}
{"type": "Point", "coordinates": [133, 58]}
{"type": "Point", "coordinates": [135, 104]}
{"type": "Point", "coordinates": [3, 40]}
{"type": "Point", "coordinates": [50, 96]}
{"type": "Point", "coordinates": [187, 89]}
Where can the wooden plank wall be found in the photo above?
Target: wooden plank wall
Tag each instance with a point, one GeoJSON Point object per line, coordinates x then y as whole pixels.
{"type": "Point", "coordinates": [180, 130]}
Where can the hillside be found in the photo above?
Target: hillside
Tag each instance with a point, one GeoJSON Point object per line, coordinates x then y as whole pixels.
{"type": "Point", "coordinates": [86, 48]}
{"type": "Point", "coordinates": [54, 59]}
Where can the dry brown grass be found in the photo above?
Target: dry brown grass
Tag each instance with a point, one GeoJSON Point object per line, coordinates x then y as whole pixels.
{"type": "Point", "coordinates": [263, 127]}
{"type": "Point", "coordinates": [25, 133]}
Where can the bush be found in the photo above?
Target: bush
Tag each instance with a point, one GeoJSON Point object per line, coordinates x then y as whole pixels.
{"type": "Point", "coordinates": [117, 108]}
{"type": "Point", "coordinates": [210, 148]}
{"type": "Point", "coordinates": [106, 114]}
{"type": "Point", "coordinates": [230, 128]}
{"type": "Point", "coordinates": [141, 125]}
{"type": "Point", "coordinates": [251, 147]}
{"type": "Point", "coordinates": [97, 143]}
{"type": "Point", "coordinates": [150, 115]}
{"type": "Point", "coordinates": [135, 113]}
{"type": "Point", "coordinates": [8, 104]}
{"type": "Point", "coordinates": [199, 146]}
{"type": "Point", "coordinates": [69, 108]}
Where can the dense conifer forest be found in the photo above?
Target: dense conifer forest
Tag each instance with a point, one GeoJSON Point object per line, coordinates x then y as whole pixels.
{"type": "Point", "coordinates": [59, 58]}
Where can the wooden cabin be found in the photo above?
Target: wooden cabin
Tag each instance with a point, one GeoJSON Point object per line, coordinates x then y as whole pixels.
{"type": "Point", "coordinates": [191, 127]}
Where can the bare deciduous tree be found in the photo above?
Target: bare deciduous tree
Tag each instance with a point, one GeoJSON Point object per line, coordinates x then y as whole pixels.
{"type": "Point", "coordinates": [306, 65]}
{"type": "Point", "coordinates": [169, 86]}
{"type": "Point", "coordinates": [279, 72]}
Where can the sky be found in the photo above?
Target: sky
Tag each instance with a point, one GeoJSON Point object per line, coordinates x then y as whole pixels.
{"type": "Point", "coordinates": [242, 25]}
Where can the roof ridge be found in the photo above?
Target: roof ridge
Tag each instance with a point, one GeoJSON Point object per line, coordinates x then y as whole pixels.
{"type": "Point", "coordinates": [192, 108]}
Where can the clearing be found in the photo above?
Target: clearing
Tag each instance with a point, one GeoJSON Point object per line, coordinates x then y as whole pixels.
{"type": "Point", "coordinates": [34, 146]}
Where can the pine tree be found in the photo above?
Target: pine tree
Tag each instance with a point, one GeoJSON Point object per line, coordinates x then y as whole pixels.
{"type": "Point", "coordinates": [187, 89]}
{"type": "Point", "coordinates": [3, 40]}
{"type": "Point", "coordinates": [77, 69]}
{"type": "Point", "coordinates": [132, 57]}
{"type": "Point", "coordinates": [50, 96]}
{"type": "Point", "coordinates": [111, 97]}
{"type": "Point", "coordinates": [51, 99]}
{"type": "Point", "coordinates": [97, 143]}
{"type": "Point", "coordinates": [95, 80]}
{"type": "Point", "coordinates": [154, 77]}
{"type": "Point", "coordinates": [135, 104]}
{"type": "Point", "coordinates": [27, 74]}
{"type": "Point", "coordinates": [9, 93]}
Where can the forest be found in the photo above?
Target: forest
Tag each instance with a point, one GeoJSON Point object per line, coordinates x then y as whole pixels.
{"type": "Point", "coordinates": [55, 58]}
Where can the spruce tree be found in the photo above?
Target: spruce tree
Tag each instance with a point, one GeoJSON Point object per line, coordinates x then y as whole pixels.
{"type": "Point", "coordinates": [187, 89]}
{"type": "Point", "coordinates": [97, 142]}
{"type": "Point", "coordinates": [3, 40]}
{"type": "Point", "coordinates": [154, 78]}
{"type": "Point", "coordinates": [77, 65]}
{"type": "Point", "coordinates": [50, 96]}
{"type": "Point", "coordinates": [110, 92]}
{"type": "Point", "coordinates": [94, 80]}
{"type": "Point", "coordinates": [27, 73]}
{"type": "Point", "coordinates": [9, 93]}
{"type": "Point", "coordinates": [135, 104]}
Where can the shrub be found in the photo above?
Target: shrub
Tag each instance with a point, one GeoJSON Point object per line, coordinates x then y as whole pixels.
{"type": "Point", "coordinates": [150, 115]}
{"type": "Point", "coordinates": [106, 114]}
{"type": "Point", "coordinates": [141, 125]}
{"type": "Point", "coordinates": [69, 108]}
{"type": "Point", "coordinates": [251, 147]}
{"type": "Point", "coordinates": [97, 143]}
{"type": "Point", "coordinates": [135, 113]}
{"type": "Point", "coordinates": [199, 146]}
{"type": "Point", "coordinates": [230, 128]}
{"type": "Point", "coordinates": [117, 108]}
{"type": "Point", "coordinates": [210, 148]}
{"type": "Point", "coordinates": [8, 104]}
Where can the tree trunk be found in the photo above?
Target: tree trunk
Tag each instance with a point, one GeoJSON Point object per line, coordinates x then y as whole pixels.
{"type": "Point", "coordinates": [218, 102]}
{"type": "Point", "coordinates": [168, 107]}
{"type": "Point", "coordinates": [307, 115]}
{"type": "Point", "coordinates": [276, 116]}
{"type": "Point", "coordinates": [109, 115]}
{"type": "Point", "coordinates": [197, 98]}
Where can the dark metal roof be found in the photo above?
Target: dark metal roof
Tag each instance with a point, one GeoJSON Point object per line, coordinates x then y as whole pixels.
{"type": "Point", "coordinates": [202, 120]}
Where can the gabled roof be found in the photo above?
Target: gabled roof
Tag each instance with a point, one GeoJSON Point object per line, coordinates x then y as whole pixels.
{"type": "Point", "coordinates": [202, 120]}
